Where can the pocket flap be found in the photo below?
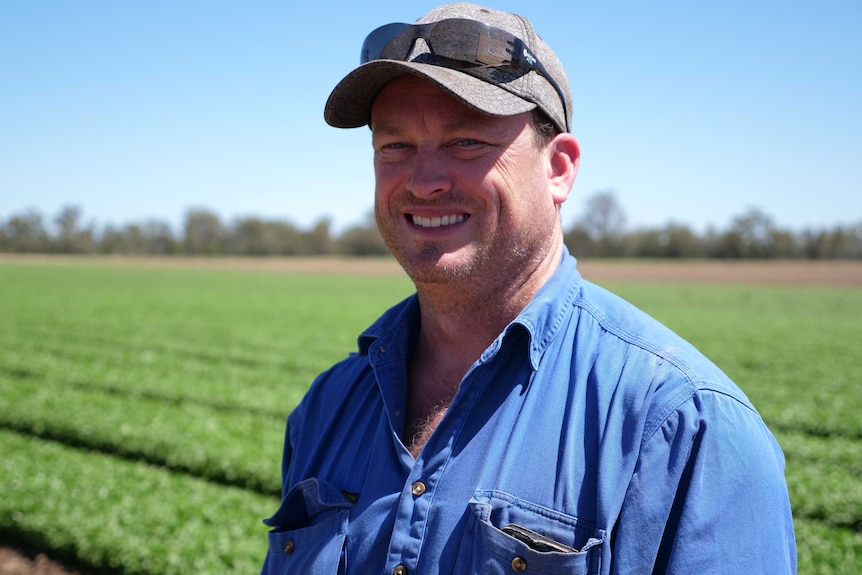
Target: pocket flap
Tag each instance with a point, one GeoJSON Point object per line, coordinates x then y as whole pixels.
{"type": "Point", "coordinates": [499, 509]}
{"type": "Point", "coordinates": [305, 501]}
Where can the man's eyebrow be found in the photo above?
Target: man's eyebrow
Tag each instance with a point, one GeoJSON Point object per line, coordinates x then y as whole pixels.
{"type": "Point", "coordinates": [384, 129]}
{"type": "Point", "coordinates": [469, 122]}
{"type": "Point", "coordinates": [460, 123]}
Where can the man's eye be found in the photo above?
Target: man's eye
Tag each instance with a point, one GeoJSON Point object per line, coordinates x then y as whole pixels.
{"type": "Point", "coordinates": [467, 142]}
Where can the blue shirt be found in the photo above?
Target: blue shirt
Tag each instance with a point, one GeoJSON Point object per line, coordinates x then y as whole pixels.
{"type": "Point", "coordinates": [585, 421]}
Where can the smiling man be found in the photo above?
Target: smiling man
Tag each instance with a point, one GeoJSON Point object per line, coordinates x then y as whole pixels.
{"type": "Point", "coordinates": [509, 416]}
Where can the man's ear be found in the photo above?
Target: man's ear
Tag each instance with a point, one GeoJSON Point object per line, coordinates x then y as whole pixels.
{"type": "Point", "coordinates": [564, 156]}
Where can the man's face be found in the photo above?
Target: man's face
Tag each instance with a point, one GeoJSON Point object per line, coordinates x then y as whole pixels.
{"type": "Point", "coordinates": [459, 194]}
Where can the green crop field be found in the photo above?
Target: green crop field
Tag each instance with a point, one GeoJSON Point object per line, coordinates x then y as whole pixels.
{"type": "Point", "coordinates": [142, 409]}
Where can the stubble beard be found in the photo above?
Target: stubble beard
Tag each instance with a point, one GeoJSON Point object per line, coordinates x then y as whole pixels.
{"type": "Point", "coordinates": [486, 261]}
{"type": "Point", "coordinates": [428, 265]}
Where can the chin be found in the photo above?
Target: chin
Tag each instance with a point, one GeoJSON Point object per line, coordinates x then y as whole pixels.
{"type": "Point", "coordinates": [432, 266]}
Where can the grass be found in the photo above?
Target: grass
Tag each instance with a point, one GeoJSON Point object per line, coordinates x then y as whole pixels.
{"type": "Point", "coordinates": [793, 350]}
{"type": "Point", "coordinates": [125, 516]}
{"type": "Point", "coordinates": [142, 410]}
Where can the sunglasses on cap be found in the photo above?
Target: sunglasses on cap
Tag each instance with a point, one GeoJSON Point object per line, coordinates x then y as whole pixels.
{"type": "Point", "coordinates": [457, 43]}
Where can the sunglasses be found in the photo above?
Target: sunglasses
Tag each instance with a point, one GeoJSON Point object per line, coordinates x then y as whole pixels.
{"type": "Point", "coordinates": [457, 43]}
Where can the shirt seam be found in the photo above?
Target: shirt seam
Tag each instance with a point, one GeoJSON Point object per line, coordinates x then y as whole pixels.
{"type": "Point", "coordinates": [694, 385]}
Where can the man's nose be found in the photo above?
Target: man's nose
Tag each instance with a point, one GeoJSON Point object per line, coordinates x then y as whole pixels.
{"type": "Point", "coordinates": [429, 175]}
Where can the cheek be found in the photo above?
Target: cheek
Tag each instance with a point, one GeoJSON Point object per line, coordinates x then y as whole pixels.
{"type": "Point", "coordinates": [520, 185]}
{"type": "Point", "coordinates": [385, 180]}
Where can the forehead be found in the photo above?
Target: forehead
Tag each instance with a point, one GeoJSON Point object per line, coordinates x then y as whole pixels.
{"type": "Point", "coordinates": [408, 97]}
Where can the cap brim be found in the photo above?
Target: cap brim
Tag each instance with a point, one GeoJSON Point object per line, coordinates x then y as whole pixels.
{"type": "Point", "coordinates": [349, 104]}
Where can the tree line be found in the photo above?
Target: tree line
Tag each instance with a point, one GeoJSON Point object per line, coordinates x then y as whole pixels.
{"type": "Point", "coordinates": [601, 233]}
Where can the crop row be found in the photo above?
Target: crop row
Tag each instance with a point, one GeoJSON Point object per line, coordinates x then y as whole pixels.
{"type": "Point", "coordinates": [823, 478]}
{"type": "Point", "coordinates": [232, 447]}
{"type": "Point", "coordinates": [243, 448]}
{"type": "Point", "coordinates": [133, 402]}
{"type": "Point", "coordinates": [794, 351]}
{"type": "Point", "coordinates": [822, 549]}
{"type": "Point", "coordinates": [225, 338]}
{"type": "Point", "coordinates": [127, 517]}
{"type": "Point", "coordinates": [147, 373]}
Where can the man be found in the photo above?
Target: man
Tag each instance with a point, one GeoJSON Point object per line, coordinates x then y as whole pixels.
{"type": "Point", "coordinates": [510, 416]}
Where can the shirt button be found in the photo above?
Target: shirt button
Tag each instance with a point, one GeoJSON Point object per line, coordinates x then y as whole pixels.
{"type": "Point", "coordinates": [418, 488]}
{"type": "Point", "coordinates": [400, 570]}
{"type": "Point", "coordinates": [519, 565]}
{"type": "Point", "coordinates": [288, 547]}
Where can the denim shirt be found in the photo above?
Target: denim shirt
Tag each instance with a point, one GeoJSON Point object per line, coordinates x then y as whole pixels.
{"type": "Point", "coordinates": [586, 422]}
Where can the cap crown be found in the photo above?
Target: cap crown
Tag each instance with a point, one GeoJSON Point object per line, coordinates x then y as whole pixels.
{"type": "Point", "coordinates": [499, 91]}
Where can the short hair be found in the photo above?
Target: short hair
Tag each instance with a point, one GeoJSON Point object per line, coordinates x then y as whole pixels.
{"type": "Point", "coordinates": [544, 129]}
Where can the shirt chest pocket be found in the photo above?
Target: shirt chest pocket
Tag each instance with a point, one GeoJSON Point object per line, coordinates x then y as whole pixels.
{"type": "Point", "coordinates": [308, 530]}
{"type": "Point", "coordinates": [505, 534]}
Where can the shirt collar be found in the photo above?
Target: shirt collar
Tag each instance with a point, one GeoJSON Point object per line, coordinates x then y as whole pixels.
{"type": "Point", "coordinates": [542, 318]}
{"type": "Point", "coordinates": [547, 311]}
{"type": "Point", "coordinates": [395, 325]}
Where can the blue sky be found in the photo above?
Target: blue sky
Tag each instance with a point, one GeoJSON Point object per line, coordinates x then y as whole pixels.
{"type": "Point", "coordinates": [692, 112]}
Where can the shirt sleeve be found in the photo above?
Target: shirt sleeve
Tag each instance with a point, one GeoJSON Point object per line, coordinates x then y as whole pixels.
{"type": "Point", "coordinates": [708, 496]}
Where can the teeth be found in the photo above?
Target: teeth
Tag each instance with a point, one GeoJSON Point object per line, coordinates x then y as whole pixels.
{"type": "Point", "coordinates": [438, 222]}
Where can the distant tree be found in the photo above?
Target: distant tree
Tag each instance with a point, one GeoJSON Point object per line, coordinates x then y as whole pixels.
{"type": "Point", "coordinates": [838, 243]}
{"type": "Point", "coordinates": [362, 239]}
{"type": "Point", "coordinates": [254, 236]}
{"type": "Point", "coordinates": [846, 242]}
{"type": "Point", "coordinates": [579, 242]}
{"type": "Point", "coordinates": [600, 232]}
{"type": "Point", "coordinates": [646, 243]}
{"type": "Point", "coordinates": [249, 237]}
{"type": "Point", "coordinates": [287, 238]}
{"type": "Point", "coordinates": [71, 237]}
{"type": "Point", "coordinates": [112, 240]}
{"type": "Point", "coordinates": [158, 238]}
{"type": "Point", "coordinates": [749, 236]}
{"type": "Point", "coordinates": [604, 217]}
{"type": "Point", "coordinates": [25, 233]}
{"type": "Point", "coordinates": [681, 242]}
{"type": "Point", "coordinates": [785, 244]}
{"type": "Point", "coordinates": [204, 233]}
{"type": "Point", "coordinates": [673, 241]}
{"type": "Point", "coordinates": [318, 241]}
{"type": "Point", "coordinates": [604, 222]}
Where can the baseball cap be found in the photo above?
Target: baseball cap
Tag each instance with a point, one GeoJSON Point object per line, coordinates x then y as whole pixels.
{"type": "Point", "coordinates": [490, 60]}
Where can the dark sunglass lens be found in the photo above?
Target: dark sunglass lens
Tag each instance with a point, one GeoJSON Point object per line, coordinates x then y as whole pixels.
{"type": "Point", "coordinates": [456, 39]}
{"type": "Point", "coordinates": [376, 42]}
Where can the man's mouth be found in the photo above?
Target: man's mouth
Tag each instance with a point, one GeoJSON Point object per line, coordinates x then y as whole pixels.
{"type": "Point", "coordinates": [447, 220]}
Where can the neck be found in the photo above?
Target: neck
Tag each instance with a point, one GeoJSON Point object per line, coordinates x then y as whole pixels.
{"type": "Point", "coordinates": [461, 318]}
{"type": "Point", "coordinates": [458, 322]}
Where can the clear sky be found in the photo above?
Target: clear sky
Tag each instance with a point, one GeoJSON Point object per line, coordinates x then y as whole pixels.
{"type": "Point", "coordinates": [691, 111]}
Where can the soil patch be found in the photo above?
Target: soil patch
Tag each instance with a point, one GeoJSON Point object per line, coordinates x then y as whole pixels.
{"type": "Point", "coordinates": [14, 562]}
{"type": "Point", "coordinates": [790, 272]}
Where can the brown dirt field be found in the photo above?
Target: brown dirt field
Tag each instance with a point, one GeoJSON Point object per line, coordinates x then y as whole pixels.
{"type": "Point", "coordinates": [847, 273]}
{"type": "Point", "coordinates": [13, 562]}
{"type": "Point", "coordinates": [789, 272]}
